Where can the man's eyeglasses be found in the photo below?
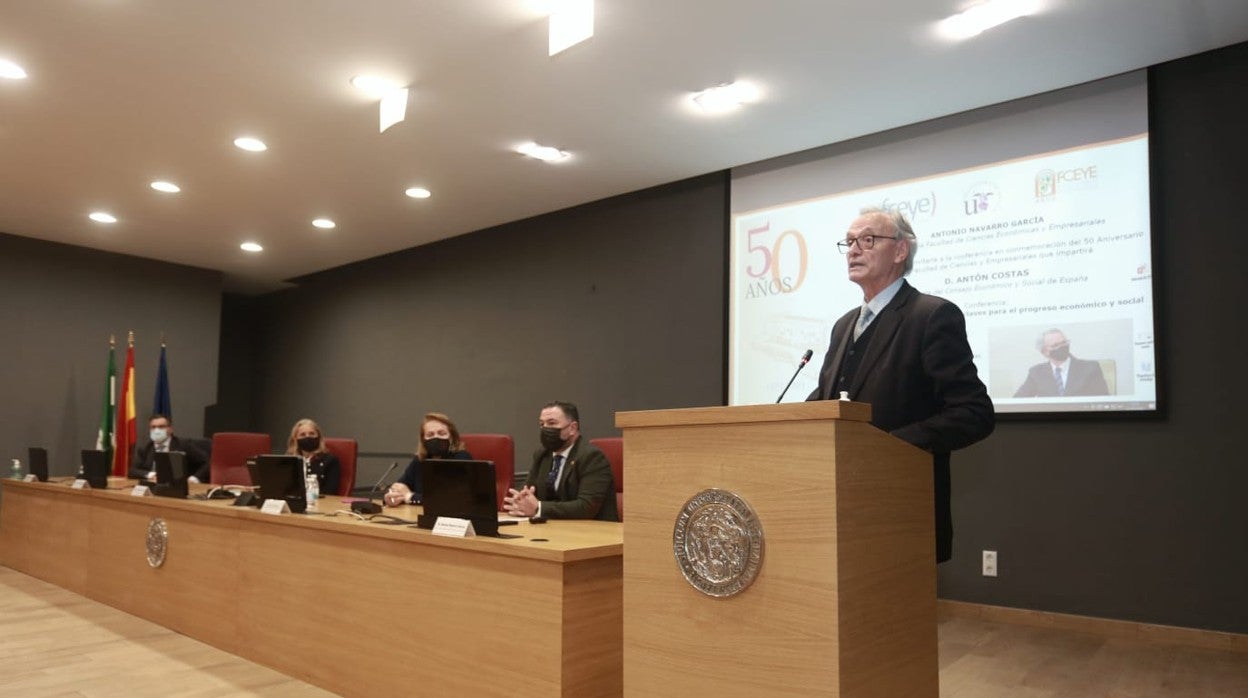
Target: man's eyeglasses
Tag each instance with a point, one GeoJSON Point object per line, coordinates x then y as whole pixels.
{"type": "Point", "coordinates": [865, 242]}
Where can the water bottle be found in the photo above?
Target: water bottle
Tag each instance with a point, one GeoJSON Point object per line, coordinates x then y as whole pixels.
{"type": "Point", "coordinates": [313, 489]}
{"type": "Point", "coordinates": [17, 469]}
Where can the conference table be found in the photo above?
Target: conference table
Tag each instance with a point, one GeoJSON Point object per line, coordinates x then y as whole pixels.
{"type": "Point", "coordinates": [356, 607]}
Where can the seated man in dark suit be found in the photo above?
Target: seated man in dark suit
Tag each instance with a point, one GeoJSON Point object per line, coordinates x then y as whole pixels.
{"type": "Point", "coordinates": [1062, 375]}
{"type": "Point", "coordinates": [570, 478]}
{"type": "Point", "coordinates": [160, 430]}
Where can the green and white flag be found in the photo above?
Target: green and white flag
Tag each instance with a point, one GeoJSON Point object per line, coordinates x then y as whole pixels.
{"type": "Point", "coordinates": [104, 440]}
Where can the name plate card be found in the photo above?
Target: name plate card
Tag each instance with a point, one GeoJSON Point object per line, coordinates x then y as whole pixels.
{"type": "Point", "coordinates": [30, 477]}
{"type": "Point", "coordinates": [275, 506]}
{"type": "Point", "coordinates": [79, 484]}
{"type": "Point", "coordinates": [455, 528]}
{"type": "Point", "coordinates": [140, 491]}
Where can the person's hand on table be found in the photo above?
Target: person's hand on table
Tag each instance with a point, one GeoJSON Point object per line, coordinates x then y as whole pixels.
{"type": "Point", "coordinates": [398, 495]}
{"type": "Point", "coordinates": [521, 502]}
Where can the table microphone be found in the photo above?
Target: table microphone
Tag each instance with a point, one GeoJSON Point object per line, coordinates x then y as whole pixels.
{"type": "Point", "coordinates": [800, 366]}
{"type": "Point", "coordinates": [371, 507]}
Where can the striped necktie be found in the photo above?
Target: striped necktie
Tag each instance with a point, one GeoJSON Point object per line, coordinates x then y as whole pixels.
{"type": "Point", "coordinates": [864, 319]}
{"type": "Point", "coordinates": [1057, 376]}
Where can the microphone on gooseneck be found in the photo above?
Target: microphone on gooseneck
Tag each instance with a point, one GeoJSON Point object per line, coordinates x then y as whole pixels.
{"type": "Point", "coordinates": [370, 507]}
{"type": "Point", "coordinates": [805, 360]}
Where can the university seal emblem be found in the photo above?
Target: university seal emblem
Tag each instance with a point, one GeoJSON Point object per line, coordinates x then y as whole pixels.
{"type": "Point", "coordinates": [157, 542]}
{"type": "Point", "coordinates": [718, 543]}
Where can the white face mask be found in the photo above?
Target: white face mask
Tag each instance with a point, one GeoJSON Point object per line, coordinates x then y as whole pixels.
{"type": "Point", "coordinates": [159, 435]}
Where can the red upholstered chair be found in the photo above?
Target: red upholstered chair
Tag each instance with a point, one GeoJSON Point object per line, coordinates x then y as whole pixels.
{"type": "Point", "coordinates": [501, 449]}
{"type": "Point", "coordinates": [230, 451]}
{"type": "Point", "coordinates": [346, 450]}
{"type": "Point", "coordinates": [613, 448]}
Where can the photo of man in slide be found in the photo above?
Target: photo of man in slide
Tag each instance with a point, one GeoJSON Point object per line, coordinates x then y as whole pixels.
{"type": "Point", "coordinates": [1062, 375]}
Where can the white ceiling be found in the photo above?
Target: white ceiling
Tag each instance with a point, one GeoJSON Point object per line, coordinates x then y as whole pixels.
{"type": "Point", "coordinates": [122, 92]}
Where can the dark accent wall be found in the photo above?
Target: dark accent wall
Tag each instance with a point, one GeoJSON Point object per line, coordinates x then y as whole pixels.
{"type": "Point", "coordinates": [614, 305]}
{"type": "Point", "coordinates": [619, 305]}
{"type": "Point", "coordinates": [1141, 520]}
{"type": "Point", "coordinates": [60, 304]}
{"type": "Point", "coordinates": [236, 406]}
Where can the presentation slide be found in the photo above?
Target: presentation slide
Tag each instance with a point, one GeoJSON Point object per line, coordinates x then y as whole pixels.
{"type": "Point", "coordinates": [1048, 255]}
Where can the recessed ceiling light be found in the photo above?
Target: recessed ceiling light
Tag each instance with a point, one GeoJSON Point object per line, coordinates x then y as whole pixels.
{"type": "Point", "coordinates": [251, 247]}
{"type": "Point", "coordinates": [255, 145]}
{"type": "Point", "coordinates": [392, 94]}
{"type": "Point", "coordinates": [419, 193]}
{"type": "Point", "coordinates": [167, 187]}
{"type": "Point", "coordinates": [726, 97]}
{"type": "Point", "coordinates": [102, 217]}
{"type": "Point", "coordinates": [544, 153]}
{"type": "Point", "coordinates": [11, 70]}
{"type": "Point", "coordinates": [373, 85]}
{"type": "Point", "coordinates": [323, 223]}
{"type": "Point", "coordinates": [571, 22]}
{"type": "Point", "coordinates": [986, 15]}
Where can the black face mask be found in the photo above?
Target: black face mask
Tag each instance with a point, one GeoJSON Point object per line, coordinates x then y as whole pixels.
{"type": "Point", "coordinates": [309, 444]}
{"type": "Point", "coordinates": [1060, 353]}
{"type": "Point", "coordinates": [551, 440]}
{"type": "Point", "coordinates": [437, 448]}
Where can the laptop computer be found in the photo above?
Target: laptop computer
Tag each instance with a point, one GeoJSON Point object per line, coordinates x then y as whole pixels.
{"type": "Point", "coordinates": [253, 472]}
{"type": "Point", "coordinates": [281, 477]}
{"type": "Point", "coordinates": [171, 475]}
{"type": "Point", "coordinates": [462, 489]}
{"type": "Point", "coordinates": [38, 461]}
{"type": "Point", "coordinates": [95, 467]}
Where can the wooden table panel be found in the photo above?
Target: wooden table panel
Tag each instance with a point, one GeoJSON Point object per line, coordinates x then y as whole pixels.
{"type": "Point", "coordinates": [352, 606]}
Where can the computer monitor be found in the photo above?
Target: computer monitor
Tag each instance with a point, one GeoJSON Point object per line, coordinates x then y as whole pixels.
{"type": "Point", "coordinates": [171, 475]}
{"type": "Point", "coordinates": [95, 467]}
{"type": "Point", "coordinates": [38, 460]}
{"type": "Point", "coordinates": [253, 472]}
{"type": "Point", "coordinates": [281, 477]}
{"type": "Point", "coordinates": [462, 489]}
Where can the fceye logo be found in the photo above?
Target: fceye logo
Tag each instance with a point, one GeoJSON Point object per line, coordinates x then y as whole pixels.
{"type": "Point", "coordinates": [1048, 181]}
{"type": "Point", "coordinates": [923, 205]}
{"type": "Point", "coordinates": [981, 198]}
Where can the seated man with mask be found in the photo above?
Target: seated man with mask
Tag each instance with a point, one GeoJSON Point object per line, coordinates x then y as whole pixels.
{"type": "Point", "coordinates": [570, 478]}
{"type": "Point", "coordinates": [160, 429]}
{"type": "Point", "coordinates": [1062, 375]}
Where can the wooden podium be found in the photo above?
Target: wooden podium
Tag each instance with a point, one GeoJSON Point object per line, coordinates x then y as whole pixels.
{"type": "Point", "coordinates": [844, 601]}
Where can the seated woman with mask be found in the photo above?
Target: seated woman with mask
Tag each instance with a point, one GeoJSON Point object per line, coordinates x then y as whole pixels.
{"type": "Point", "coordinates": [305, 440]}
{"type": "Point", "coordinates": [439, 438]}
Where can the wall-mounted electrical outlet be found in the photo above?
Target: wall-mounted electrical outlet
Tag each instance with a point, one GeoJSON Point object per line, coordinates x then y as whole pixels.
{"type": "Point", "coordinates": [990, 563]}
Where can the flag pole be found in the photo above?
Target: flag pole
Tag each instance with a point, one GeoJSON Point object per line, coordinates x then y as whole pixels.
{"type": "Point", "coordinates": [125, 432]}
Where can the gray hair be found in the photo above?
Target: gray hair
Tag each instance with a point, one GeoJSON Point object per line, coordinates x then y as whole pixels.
{"type": "Point", "coordinates": [901, 227]}
{"type": "Point", "coordinates": [1046, 333]}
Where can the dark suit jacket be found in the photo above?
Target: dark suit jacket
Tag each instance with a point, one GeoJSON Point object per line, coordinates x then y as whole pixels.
{"type": "Point", "coordinates": [587, 490]}
{"type": "Point", "coordinates": [1086, 378]}
{"type": "Point", "coordinates": [328, 472]}
{"type": "Point", "coordinates": [144, 460]}
{"type": "Point", "coordinates": [919, 377]}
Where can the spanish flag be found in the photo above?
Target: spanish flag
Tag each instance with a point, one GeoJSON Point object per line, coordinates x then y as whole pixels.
{"type": "Point", "coordinates": [125, 434]}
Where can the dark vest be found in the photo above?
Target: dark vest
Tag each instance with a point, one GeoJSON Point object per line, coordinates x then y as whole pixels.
{"type": "Point", "coordinates": [853, 357]}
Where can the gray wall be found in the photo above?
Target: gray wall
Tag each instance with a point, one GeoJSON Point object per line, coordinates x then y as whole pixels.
{"type": "Point", "coordinates": [60, 304]}
{"type": "Point", "coordinates": [619, 305]}
{"type": "Point", "coordinates": [616, 305]}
